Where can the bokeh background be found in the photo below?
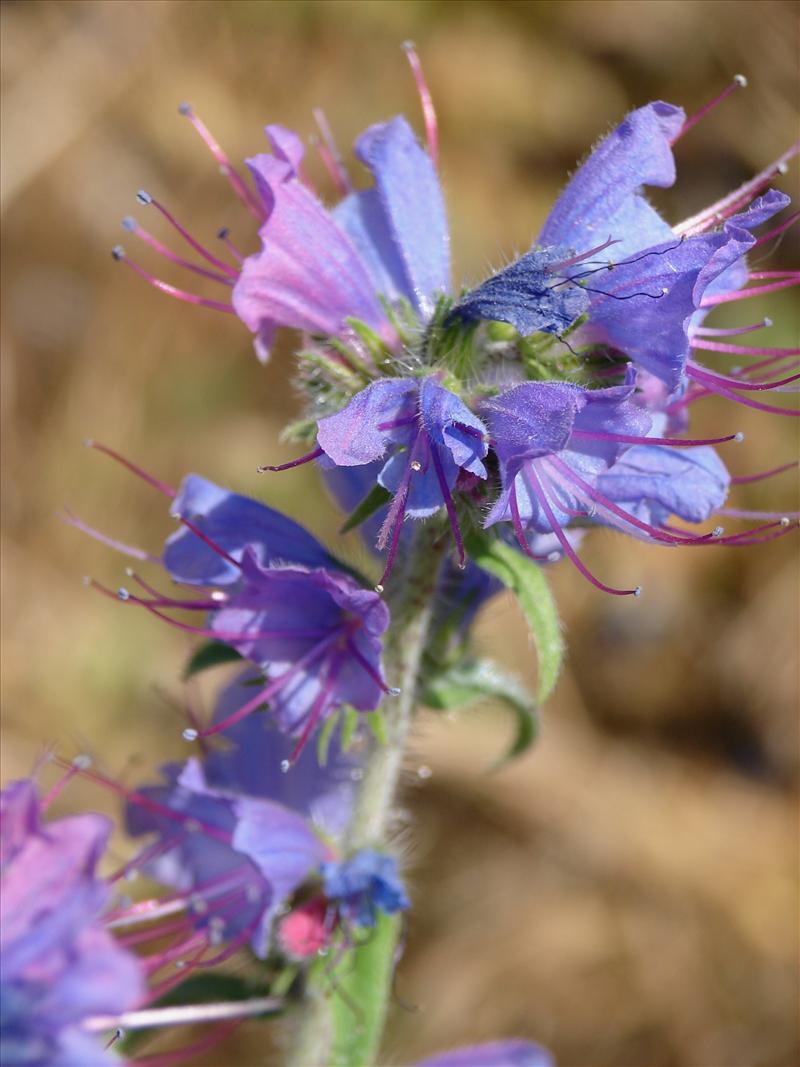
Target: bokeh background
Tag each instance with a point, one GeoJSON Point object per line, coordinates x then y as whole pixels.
{"type": "Point", "coordinates": [627, 893]}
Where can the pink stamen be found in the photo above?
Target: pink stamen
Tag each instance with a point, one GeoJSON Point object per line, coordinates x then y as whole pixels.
{"type": "Point", "coordinates": [309, 457]}
{"type": "Point", "coordinates": [745, 294]}
{"type": "Point", "coordinates": [253, 205]}
{"type": "Point", "coordinates": [132, 226]}
{"type": "Point", "coordinates": [396, 424]}
{"type": "Point", "coordinates": [554, 268]}
{"type": "Point", "coordinates": [146, 199]}
{"type": "Point", "coordinates": [180, 948]}
{"type": "Point", "coordinates": [610, 507]}
{"type": "Point", "coordinates": [61, 785]}
{"type": "Point", "coordinates": [748, 402]}
{"type": "Point", "coordinates": [180, 294]}
{"type": "Point", "coordinates": [224, 236]}
{"type": "Point", "coordinates": [782, 228]}
{"type": "Point", "coordinates": [743, 350]}
{"type": "Point", "coordinates": [393, 523]}
{"type": "Point", "coordinates": [220, 635]}
{"type": "Point", "coordinates": [188, 822]}
{"type": "Point", "coordinates": [746, 479]}
{"type": "Point", "coordinates": [143, 937]}
{"type": "Point", "coordinates": [739, 82]}
{"type": "Point", "coordinates": [162, 487]}
{"type": "Point", "coordinates": [717, 331]}
{"type": "Point", "coordinates": [118, 546]}
{"type": "Point", "coordinates": [519, 529]}
{"type": "Point", "coordinates": [781, 517]}
{"type": "Point", "coordinates": [449, 505]}
{"type": "Point", "coordinates": [693, 370]}
{"type": "Point", "coordinates": [320, 704]}
{"type": "Point", "coordinates": [672, 442]}
{"type": "Point", "coordinates": [331, 156]}
{"type": "Point", "coordinates": [426, 100]}
{"type": "Point", "coordinates": [211, 544]}
{"type": "Point", "coordinates": [541, 496]}
{"type": "Point", "coordinates": [274, 687]}
{"type": "Point", "coordinates": [370, 670]}
{"type": "Point", "coordinates": [729, 204]}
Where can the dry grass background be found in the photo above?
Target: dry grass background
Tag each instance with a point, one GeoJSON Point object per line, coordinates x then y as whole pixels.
{"type": "Point", "coordinates": [626, 894]}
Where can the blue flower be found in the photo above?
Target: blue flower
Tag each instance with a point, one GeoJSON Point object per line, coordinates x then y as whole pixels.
{"type": "Point", "coordinates": [365, 884]}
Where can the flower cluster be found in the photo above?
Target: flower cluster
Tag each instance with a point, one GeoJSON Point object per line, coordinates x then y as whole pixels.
{"type": "Point", "coordinates": [553, 396]}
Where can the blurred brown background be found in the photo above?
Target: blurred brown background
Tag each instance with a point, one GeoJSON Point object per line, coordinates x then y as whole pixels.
{"type": "Point", "coordinates": [627, 894]}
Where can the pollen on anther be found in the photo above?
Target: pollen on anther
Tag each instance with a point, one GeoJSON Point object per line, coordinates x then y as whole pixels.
{"type": "Point", "coordinates": [785, 520]}
{"type": "Point", "coordinates": [129, 223]}
{"type": "Point", "coordinates": [123, 593]}
{"type": "Point", "coordinates": [637, 591]}
{"type": "Point", "coordinates": [718, 531]}
{"type": "Point", "coordinates": [285, 765]}
{"type": "Point", "coordinates": [189, 734]}
{"type": "Point", "coordinates": [185, 109]}
{"type": "Point", "coordinates": [740, 80]}
{"type": "Point", "coordinates": [144, 197]}
{"type": "Point", "coordinates": [379, 588]}
{"type": "Point", "coordinates": [118, 253]}
{"type": "Point", "coordinates": [394, 691]}
{"type": "Point", "coordinates": [416, 465]}
{"type": "Point", "coordinates": [738, 437]}
{"type": "Point", "coordinates": [83, 760]}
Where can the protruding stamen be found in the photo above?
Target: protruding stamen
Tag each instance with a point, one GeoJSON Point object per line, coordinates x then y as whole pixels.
{"type": "Point", "coordinates": [746, 479]}
{"type": "Point", "coordinates": [132, 226]}
{"type": "Point", "coordinates": [118, 253]}
{"type": "Point", "coordinates": [778, 230]}
{"type": "Point", "coordinates": [693, 370]}
{"type": "Point", "coordinates": [237, 183]}
{"type": "Point", "coordinates": [541, 496]}
{"type": "Point", "coordinates": [118, 546]}
{"type": "Point", "coordinates": [672, 442]}
{"type": "Point", "coordinates": [331, 156]}
{"type": "Point", "coordinates": [220, 551]}
{"type": "Point", "coordinates": [370, 670]}
{"type": "Point", "coordinates": [187, 237]}
{"type": "Point", "coordinates": [745, 294]}
{"type": "Point", "coordinates": [739, 82]}
{"type": "Point", "coordinates": [448, 503]}
{"type": "Point", "coordinates": [555, 268]}
{"type": "Point", "coordinates": [426, 100]}
{"type": "Point", "coordinates": [327, 682]}
{"type": "Point", "coordinates": [736, 200]}
{"type": "Point", "coordinates": [224, 236]}
{"type": "Point", "coordinates": [308, 458]}
{"type": "Point", "coordinates": [743, 350]}
{"type": "Point", "coordinates": [156, 483]}
{"type": "Point", "coordinates": [719, 331]}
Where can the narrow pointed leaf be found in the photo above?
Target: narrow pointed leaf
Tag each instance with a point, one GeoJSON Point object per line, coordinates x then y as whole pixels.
{"type": "Point", "coordinates": [376, 498]}
{"type": "Point", "coordinates": [526, 579]}
{"type": "Point", "coordinates": [478, 679]}
{"type": "Point", "coordinates": [211, 654]}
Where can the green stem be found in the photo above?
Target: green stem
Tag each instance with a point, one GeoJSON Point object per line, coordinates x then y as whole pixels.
{"type": "Point", "coordinates": [318, 1040]}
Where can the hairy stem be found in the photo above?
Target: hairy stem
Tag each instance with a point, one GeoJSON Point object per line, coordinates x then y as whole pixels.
{"type": "Point", "coordinates": [411, 599]}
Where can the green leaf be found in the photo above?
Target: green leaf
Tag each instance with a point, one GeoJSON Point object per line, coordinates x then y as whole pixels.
{"type": "Point", "coordinates": [377, 725]}
{"type": "Point", "coordinates": [360, 992]}
{"type": "Point", "coordinates": [324, 738]}
{"type": "Point", "coordinates": [375, 499]}
{"type": "Point", "coordinates": [211, 654]}
{"type": "Point", "coordinates": [350, 721]}
{"type": "Point", "coordinates": [526, 579]}
{"type": "Point", "coordinates": [476, 679]}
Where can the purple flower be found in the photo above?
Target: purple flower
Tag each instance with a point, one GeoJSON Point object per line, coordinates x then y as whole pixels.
{"type": "Point", "coordinates": [563, 456]}
{"type": "Point", "coordinates": [313, 630]}
{"type": "Point", "coordinates": [425, 436]}
{"type": "Point", "coordinates": [59, 965]}
{"type": "Point", "coordinates": [493, 1054]}
{"type": "Point", "coordinates": [513, 1053]}
{"type": "Point", "coordinates": [363, 885]}
{"type": "Point", "coordinates": [235, 859]}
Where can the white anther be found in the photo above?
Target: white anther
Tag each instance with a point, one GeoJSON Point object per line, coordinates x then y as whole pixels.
{"type": "Point", "coordinates": [637, 591]}
{"type": "Point", "coordinates": [144, 197]}
{"type": "Point", "coordinates": [718, 531]}
{"type": "Point", "coordinates": [190, 734]}
{"type": "Point", "coordinates": [416, 465]}
{"type": "Point", "coordinates": [740, 80]}
{"type": "Point", "coordinates": [424, 771]}
{"type": "Point", "coordinates": [738, 437]}
{"type": "Point", "coordinates": [379, 588]}
{"type": "Point", "coordinates": [285, 765]}
{"type": "Point", "coordinates": [123, 593]}
{"type": "Point", "coordinates": [82, 761]}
